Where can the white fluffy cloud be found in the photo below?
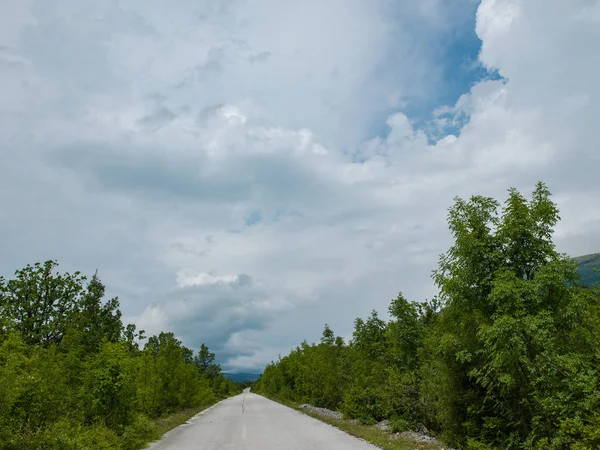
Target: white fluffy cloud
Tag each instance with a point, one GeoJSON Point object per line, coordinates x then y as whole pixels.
{"type": "Point", "coordinates": [215, 163]}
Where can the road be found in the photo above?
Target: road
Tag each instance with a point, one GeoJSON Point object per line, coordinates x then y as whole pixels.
{"type": "Point", "coordinates": [251, 422]}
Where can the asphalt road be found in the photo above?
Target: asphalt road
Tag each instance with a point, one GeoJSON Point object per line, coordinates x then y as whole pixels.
{"type": "Point", "coordinates": [251, 422]}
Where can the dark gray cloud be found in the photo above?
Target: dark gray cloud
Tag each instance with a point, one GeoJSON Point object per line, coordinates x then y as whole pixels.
{"type": "Point", "coordinates": [214, 309]}
{"type": "Point", "coordinates": [275, 178]}
{"type": "Point", "coordinates": [158, 119]}
{"type": "Point", "coordinates": [259, 57]}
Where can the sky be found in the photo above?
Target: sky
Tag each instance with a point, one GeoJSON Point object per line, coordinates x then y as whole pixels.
{"type": "Point", "coordinates": [243, 172]}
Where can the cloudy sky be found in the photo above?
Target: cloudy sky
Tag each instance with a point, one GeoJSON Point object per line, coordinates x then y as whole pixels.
{"type": "Point", "coordinates": [241, 172]}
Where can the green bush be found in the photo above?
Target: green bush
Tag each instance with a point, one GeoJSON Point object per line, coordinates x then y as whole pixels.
{"type": "Point", "coordinates": [65, 435]}
{"type": "Point", "coordinates": [73, 377]}
{"type": "Point", "coordinates": [400, 425]}
{"type": "Point", "coordinates": [138, 433]}
{"type": "Point", "coordinates": [364, 404]}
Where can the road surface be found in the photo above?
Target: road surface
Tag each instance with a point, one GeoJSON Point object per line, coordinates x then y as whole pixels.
{"type": "Point", "coordinates": [251, 422]}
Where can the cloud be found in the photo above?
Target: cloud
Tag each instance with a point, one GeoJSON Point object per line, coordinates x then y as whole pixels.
{"type": "Point", "coordinates": [215, 310]}
{"type": "Point", "coordinates": [218, 163]}
{"type": "Point", "coordinates": [259, 57]}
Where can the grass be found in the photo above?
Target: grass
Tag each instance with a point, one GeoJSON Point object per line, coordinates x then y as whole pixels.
{"type": "Point", "coordinates": [375, 436]}
{"type": "Point", "coordinates": [167, 423]}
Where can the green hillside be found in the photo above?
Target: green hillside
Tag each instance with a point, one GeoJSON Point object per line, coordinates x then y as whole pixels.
{"type": "Point", "coordinates": [587, 264]}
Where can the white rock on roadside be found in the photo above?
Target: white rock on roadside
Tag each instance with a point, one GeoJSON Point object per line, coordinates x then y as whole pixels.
{"type": "Point", "coordinates": [384, 425]}
{"type": "Point", "coordinates": [322, 411]}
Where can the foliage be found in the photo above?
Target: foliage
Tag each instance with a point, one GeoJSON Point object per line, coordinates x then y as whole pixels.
{"type": "Point", "coordinates": [506, 356]}
{"type": "Point", "coordinates": [73, 377]}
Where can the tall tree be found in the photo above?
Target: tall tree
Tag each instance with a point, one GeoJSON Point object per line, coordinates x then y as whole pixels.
{"type": "Point", "coordinates": [39, 304]}
{"type": "Point", "coordinates": [328, 337]}
{"type": "Point", "coordinates": [97, 321]}
{"type": "Point", "coordinates": [205, 362]}
{"type": "Point", "coordinates": [509, 309]}
{"type": "Point", "coordinates": [505, 357]}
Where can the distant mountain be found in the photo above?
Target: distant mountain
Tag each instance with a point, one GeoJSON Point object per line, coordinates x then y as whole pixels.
{"type": "Point", "coordinates": [242, 377]}
{"type": "Point", "coordinates": [587, 264]}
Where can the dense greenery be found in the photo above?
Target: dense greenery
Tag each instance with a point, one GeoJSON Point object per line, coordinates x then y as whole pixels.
{"type": "Point", "coordinates": [73, 377]}
{"type": "Point", "coordinates": [506, 356]}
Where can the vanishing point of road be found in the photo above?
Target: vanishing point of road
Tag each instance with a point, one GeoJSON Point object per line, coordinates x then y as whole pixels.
{"type": "Point", "coordinates": [251, 422]}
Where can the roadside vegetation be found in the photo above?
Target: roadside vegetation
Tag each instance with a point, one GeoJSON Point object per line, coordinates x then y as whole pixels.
{"type": "Point", "coordinates": [385, 438]}
{"type": "Point", "coordinates": [73, 377]}
{"type": "Point", "coordinates": [505, 357]}
{"type": "Point", "coordinates": [379, 437]}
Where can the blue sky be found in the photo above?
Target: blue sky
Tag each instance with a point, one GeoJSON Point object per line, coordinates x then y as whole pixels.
{"type": "Point", "coordinates": [454, 53]}
{"type": "Point", "coordinates": [241, 173]}
{"type": "Point", "coordinates": [456, 67]}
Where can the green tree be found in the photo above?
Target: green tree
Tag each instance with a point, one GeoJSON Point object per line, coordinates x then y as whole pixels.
{"type": "Point", "coordinates": [328, 337]}
{"type": "Point", "coordinates": [405, 332]}
{"type": "Point", "coordinates": [95, 321]}
{"type": "Point", "coordinates": [506, 356]}
{"type": "Point", "coordinates": [506, 331]}
{"type": "Point", "coordinates": [72, 377]}
{"type": "Point", "coordinates": [368, 355]}
{"type": "Point", "coordinates": [39, 304]}
{"type": "Point", "coordinates": [205, 362]}
{"type": "Point", "coordinates": [110, 385]}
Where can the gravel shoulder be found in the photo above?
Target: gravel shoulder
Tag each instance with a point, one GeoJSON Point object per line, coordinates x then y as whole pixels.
{"type": "Point", "coordinates": [380, 434]}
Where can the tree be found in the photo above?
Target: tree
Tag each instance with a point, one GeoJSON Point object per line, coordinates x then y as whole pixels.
{"type": "Point", "coordinates": [405, 332]}
{"type": "Point", "coordinates": [110, 387]}
{"type": "Point", "coordinates": [97, 322]}
{"type": "Point", "coordinates": [130, 336]}
{"type": "Point", "coordinates": [204, 361]}
{"type": "Point", "coordinates": [71, 376]}
{"type": "Point", "coordinates": [368, 356]}
{"type": "Point", "coordinates": [506, 356]}
{"type": "Point", "coordinates": [44, 305]}
{"type": "Point", "coordinates": [328, 337]}
{"type": "Point", "coordinates": [505, 334]}
{"type": "Point", "coordinates": [39, 304]}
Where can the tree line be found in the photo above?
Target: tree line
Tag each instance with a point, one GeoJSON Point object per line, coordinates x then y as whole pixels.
{"type": "Point", "coordinates": [506, 356]}
{"type": "Point", "coordinates": [72, 376]}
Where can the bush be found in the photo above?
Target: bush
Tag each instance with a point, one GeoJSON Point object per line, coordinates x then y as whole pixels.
{"type": "Point", "coordinates": [400, 425]}
{"type": "Point", "coordinates": [72, 377]}
{"type": "Point", "coordinates": [363, 404]}
{"type": "Point", "coordinates": [65, 435]}
{"type": "Point", "coordinates": [140, 432]}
